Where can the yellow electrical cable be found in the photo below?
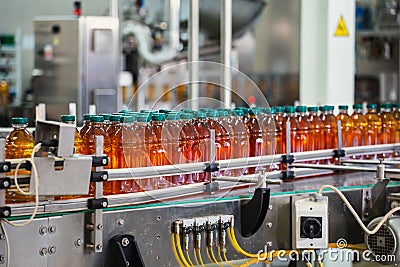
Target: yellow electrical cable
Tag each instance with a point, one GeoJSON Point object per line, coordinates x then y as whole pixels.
{"type": "Point", "coordinates": [195, 257]}
{"type": "Point", "coordinates": [178, 239]}
{"type": "Point", "coordinates": [208, 255]}
{"type": "Point", "coordinates": [308, 264]}
{"type": "Point", "coordinates": [226, 259]}
{"type": "Point", "coordinates": [321, 264]}
{"type": "Point", "coordinates": [178, 258]}
{"type": "Point", "coordinates": [219, 253]}
{"type": "Point", "coordinates": [232, 238]}
{"type": "Point", "coordinates": [200, 258]}
{"type": "Point", "coordinates": [213, 257]}
{"type": "Point", "coordinates": [188, 258]}
{"type": "Point", "coordinates": [249, 262]}
{"type": "Point", "coordinates": [349, 246]}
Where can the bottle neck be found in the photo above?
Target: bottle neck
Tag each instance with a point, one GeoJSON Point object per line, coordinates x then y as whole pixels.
{"type": "Point", "coordinates": [343, 111]}
{"type": "Point", "coordinates": [19, 126]}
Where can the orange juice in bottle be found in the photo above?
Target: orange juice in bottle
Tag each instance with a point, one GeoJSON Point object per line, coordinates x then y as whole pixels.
{"type": "Point", "coordinates": [347, 126]}
{"type": "Point", "coordinates": [239, 139]}
{"type": "Point", "coordinates": [189, 144]}
{"type": "Point", "coordinates": [360, 126]}
{"type": "Point", "coordinates": [254, 129]}
{"type": "Point", "coordinates": [374, 128]}
{"type": "Point", "coordinates": [89, 143]}
{"type": "Point", "coordinates": [19, 144]}
{"type": "Point", "coordinates": [303, 142]}
{"type": "Point", "coordinates": [158, 157]}
{"type": "Point", "coordinates": [317, 129]}
{"type": "Point", "coordinates": [290, 116]}
{"type": "Point", "coordinates": [396, 115]}
{"type": "Point", "coordinates": [271, 135]}
{"type": "Point", "coordinates": [200, 123]}
{"type": "Point", "coordinates": [330, 129]}
{"type": "Point", "coordinates": [86, 124]}
{"type": "Point", "coordinates": [389, 125]}
{"type": "Point", "coordinates": [78, 142]}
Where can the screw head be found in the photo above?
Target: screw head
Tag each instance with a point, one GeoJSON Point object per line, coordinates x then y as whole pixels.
{"type": "Point", "coordinates": [99, 246]}
{"type": "Point", "coordinates": [78, 242]}
{"type": "Point", "coordinates": [269, 224]}
{"type": "Point", "coordinates": [52, 250]}
{"type": "Point", "coordinates": [6, 184]}
{"type": "Point", "coordinates": [5, 168]}
{"type": "Point", "coordinates": [125, 242]}
{"type": "Point", "coordinates": [43, 230]}
{"type": "Point", "coordinates": [52, 229]}
{"type": "Point", "coordinates": [6, 213]}
{"type": "Point", "coordinates": [270, 207]}
{"type": "Point", "coordinates": [120, 222]}
{"type": "Point", "coordinates": [105, 177]}
{"type": "Point", "coordinates": [42, 251]}
{"type": "Point", "coordinates": [2, 236]}
{"type": "Point", "coordinates": [104, 161]}
{"type": "Point", "coordinates": [99, 226]}
{"type": "Point", "coordinates": [104, 204]}
{"type": "Point", "coordinates": [2, 258]}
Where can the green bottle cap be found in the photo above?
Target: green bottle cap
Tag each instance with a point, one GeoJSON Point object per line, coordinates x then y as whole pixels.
{"type": "Point", "coordinates": [343, 107]}
{"type": "Point", "coordinates": [87, 117]}
{"type": "Point", "coordinates": [357, 106]}
{"type": "Point", "coordinates": [19, 120]}
{"type": "Point", "coordinates": [222, 113]}
{"type": "Point", "coordinates": [279, 109]}
{"type": "Point", "coordinates": [67, 118]}
{"type": "Point", "coordinates": [106, 116]}
{"type": "Point", "coordinates": [386, 106]}
{"type": "Point", "coordinates": [312, 109]}
{"type": "Point", "coordinates": [127, 119]}
{"type": "Point", "coordinates": [172, 116]}
{"type": "Point", "coordinates": [290, 109]}
{"type": "Point", "coordinates": [186, 116]}
{"type": "Point", "coordinates": [371, 106]}
{"type": "Point", "coordinates": [301, 109]}
{"type": "Point", "coordinates": [115, 118]}
{"type": "Point", "coordinates": [200, 115]}
{"type": "Point", "coordinates": [211, 114]}
{"type": "Point", "coordinates": [329, 107]}
{"type": "Point", "coordinates": [95, 118]}
{"type": "Point", "coordinates": [144, 117]}
{"type": "Point", "coordinates": [158, 117]}
{"type": "Point", "coordinates": [237, 113]}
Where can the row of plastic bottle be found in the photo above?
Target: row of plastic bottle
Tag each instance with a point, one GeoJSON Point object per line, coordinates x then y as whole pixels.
{"type": "Point", "coordinates": [154, 138]}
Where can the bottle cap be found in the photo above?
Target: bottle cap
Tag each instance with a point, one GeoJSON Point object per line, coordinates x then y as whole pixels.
{"type": "Point", "coordinates": [237, 113]}
{"type": "Point", "coordinates": [222, 113]}
{"type": "Point", "coordinates": [396, 105]}
{"type": "Point", "coordinates": [371, 106]}
{"type": "Point", "coordinates": [200, 115]}
{"type": "Point", "coordinates": [95, 118]}
{"type": "Point", "coordinates": [186, 116]}
{"type": "Point", "coordinates": [301, 109]}
{"type": "Point", "coordinates": [211, 114]}
{"type": "Point", "coordinates": [19, 120]}
{"type": "Point", "coordinates": [329, 108]}
{"type": "Point", "coordinates": [343, 107]}
{"type": "Point", "coordinates": [143, 117]}
{"type": "Point", "coordinates": [254, 111]}
{"type": "Point", "coordinates": [312, 109]}
{"type": "Point", "coordinates": [279, 109]}
{"type": "Point", "coordinates": [86, 117]}
{"type": "Point", "coordinates": [357, 106]}
{"type": "Point", "coordinates": [158, 117]}
{"type": "Point", "coordinates": [106, 116]}
{"type": "Point", "coordinates": [127, 119]}
{"type": "Point", "coordinates": [386, 106]}
{"type": "Point", "coordinates": [172, 116]}
{"type": "Point", "coordinates": [65, 118]}
{"type": "Point", "coordinates": [290, 109]}
{"type": "Point", "coordinates": [115, 118]}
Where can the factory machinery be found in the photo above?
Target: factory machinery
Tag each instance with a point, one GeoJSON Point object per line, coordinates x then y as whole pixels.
{"type": "Point", "coordinates": [231, 221]}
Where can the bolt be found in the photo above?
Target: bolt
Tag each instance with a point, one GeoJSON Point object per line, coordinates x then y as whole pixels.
{"type": "Point", "coordinates": [52, 249]}
{"type": "Point", "coordinates": [6, 184]}
{"type": "Point", "coordinates": [42, 251]}
{"type": "Point", "coordinates": [104, 204]}
{"type": "Point", "coordinates": [5, 168]}
{"type": "Point", "coordinates": [2, 258]}
{"type": "Point", "coordinates": [78, 242]}
{"type": "Point", "coordinates": [2, 236]}
{"type": "Point", "coordinates": [269, 224]}
{"type": "Point", "coordinates": [99, 226]}
{"type": "Point", "coordinates": [127, 263]}
{"type": "Point", "coordinates": [368, 198]}
{"type": "Point", "coordinates": [105, 177]}
{"type": "Point", "coordinates": [104, 161]}
{"type": "Point", "coordinates": [125, 242]}
{"type": "Point", "coordinates": [52, 229]}
{"type": "Point", "coordinates": [42, 230]}
{"type": "Point", "coordinates": [99, 246]}
{"type": "Point", "coordinates": [120, 222]}
{"type": "Point", "coordinates": [6, 213]}
{"type": "Point", "coordinates": [158, 218]}
{"type": "Point", "coordinates": [270, 207]}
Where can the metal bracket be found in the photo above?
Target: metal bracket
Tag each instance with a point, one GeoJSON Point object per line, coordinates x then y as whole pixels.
{"type": "Point", "coordinates": [370, 197]}
{"type": "Point", "coordinates": [5, 167]}
{"type": "Point", "coordinates": [123, 251]}
{"type": "Point", "coordinates": [339, 153]}
{"type": "Point", "coordinates": [5, 182]}
{"type": "Point", "coordinates": [100, 176]}
{"type": "Point", "coordinates": [253, 212]}
{"type": "Point", "coordinates": [287, 175]}
{"type": "Point", "coordinates": [97, 203]}
{"type": "Point", "coordinates": [212, 167]}
{"type": "Point", "coordinates": [366, 203]}
{"type": "Point", "coordinates": [287, 159]}
{"type": "Point", "coordinates": [5, 212]}
{"type": "Point", "coordinates": [100, 161]}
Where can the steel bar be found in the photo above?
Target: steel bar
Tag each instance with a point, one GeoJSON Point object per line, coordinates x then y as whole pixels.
{"type": "Point", "coordinates": [193, 55]}
{"type": "Point", "coordinates": [226, 47]}
{"type": "Point", "coordinates": [371, 161]}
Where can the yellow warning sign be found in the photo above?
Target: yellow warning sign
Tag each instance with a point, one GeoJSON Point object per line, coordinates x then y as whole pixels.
{"type": "Point", "coordinates": [341, 29]}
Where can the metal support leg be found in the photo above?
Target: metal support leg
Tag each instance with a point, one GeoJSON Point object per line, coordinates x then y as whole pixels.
{"type": "Point", "coordinates": [226, 47]}
{"type": "Point", "coordinates": [193, 55]}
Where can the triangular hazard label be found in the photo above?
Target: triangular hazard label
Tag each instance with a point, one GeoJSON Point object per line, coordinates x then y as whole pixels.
{"type": "Point", "coordinates": [341, 29]}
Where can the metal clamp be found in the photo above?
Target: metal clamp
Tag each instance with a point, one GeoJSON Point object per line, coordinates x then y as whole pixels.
{"type": "Point", "coordinates": [5, 182]}
{"type": "Point", "coordinates": [212, 167]}
{"type": "Point", "coordinates": [97, 203]}
{"type": "Point", "coordinates": [5, 212]}
{"type": "Point", "coordinates": [287, 175]}
{"type": "Point", "coordinates": [5, 167]}
{"type": "Point", "coordinates": [287, 159]}
{"type": "Point", "coordinates": [100, 161]}
{"type": "Point", "coordinates": [99, 176]}
{"type": "Point", "coordinates": [339, 153]}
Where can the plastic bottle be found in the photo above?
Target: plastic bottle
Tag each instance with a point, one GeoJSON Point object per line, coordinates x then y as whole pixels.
{"type": "Point", "coordinates": [389, 125]}
{"type": "Point", "coordinates": [280, 145]}
{"type": "Point", "coordinates": [303, 140]}
{"type": "Point", "coordinates": [239, 140]}
{"type": "Point", "coordinates": [360, 126]}
{"type": "Point", "coordinates": [86, 124]}
{"type": "Point", "coordinates": [330, 127]}
{"type": "Point", "coordinates": [78, 142]}
{"type": "Point", "coordinates": [374, 128]}
{"type": "Point", "coordinates": [347, 126]}
{"type": "Point", "coordinates": [200, 123]}
{"type": "Point", "coordinates": [396, 115]}
{"type": "Point", "coordinates": [290, 116]}
{"type": "Point", "coordinates": [158, 156]}
{"type": "Point", "coordinates": [122, 146]}
{"type": "Point", "coordinates": [271, 135]}
{"type": "Point", "coordinates": [254, 126]}
{"type": "Point", "coordinates": [189, 145]}
{"type": "Point", "coordinates": [317, 129]}
{"type": "Point", "coordinates": [106, 122]}
{"type": "Point", "coordinates": [170, 143]}
{"type": "Point", "coordinates": [223, 119]}
{"type": "Point", "coordinates": [19, 144]}
{"type": "Point", "coordinates": [113, 128]}
{"type": "Point", "coordinates": [213, 124]}
{"type": "Point", "coordinates": [89, 143]}
{"type": "Point", "coordinates": [144, 144]}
